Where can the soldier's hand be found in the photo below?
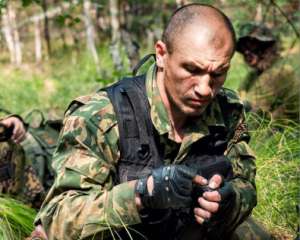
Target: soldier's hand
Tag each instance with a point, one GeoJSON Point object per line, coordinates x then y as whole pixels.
{"type": "Point", "coordinates": [209, 202]}
{"type": "Point", "coordinates": [168, 187]}
{"type": "Point", "coordinates": [19, 130]}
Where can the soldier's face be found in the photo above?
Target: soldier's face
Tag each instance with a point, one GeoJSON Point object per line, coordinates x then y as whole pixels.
{"type": "Point", "coordinates": [193, 73]}
{"type": "Point", "coordinates": [251, 51]}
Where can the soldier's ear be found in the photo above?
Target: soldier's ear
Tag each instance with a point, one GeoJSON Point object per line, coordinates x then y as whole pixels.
{"type": "Point", "coordinates": [161, 53]}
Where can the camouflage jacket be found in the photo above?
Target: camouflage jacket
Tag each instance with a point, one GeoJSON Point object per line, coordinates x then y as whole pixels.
{"type": "Point", "coordinates": [29, 174]}
{"type": "Point", "coordinates": [84, 202]}
{"type": "Point", "coordinates": [276, 90]}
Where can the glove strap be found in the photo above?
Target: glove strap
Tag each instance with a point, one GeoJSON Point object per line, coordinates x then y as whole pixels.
{"type": "Point", "coordinates": [141, 186]}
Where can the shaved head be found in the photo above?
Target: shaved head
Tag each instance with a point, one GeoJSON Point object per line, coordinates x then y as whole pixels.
{"type": "Point", "coordinates": [214, 24]}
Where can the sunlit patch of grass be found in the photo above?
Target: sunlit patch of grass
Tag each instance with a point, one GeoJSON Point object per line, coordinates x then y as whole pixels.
{"type": "Point", "coordinates": [278, 167]}
{"type": "Point", "coordinates": [54, 84]}
{"type": "Point", "coordinates": [16, 219]}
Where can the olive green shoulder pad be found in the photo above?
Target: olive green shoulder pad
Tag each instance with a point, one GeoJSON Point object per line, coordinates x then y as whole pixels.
{"type": "Point", "coordinates": [95, 108]}
{"type": "Point", "coordinates": [77, 103]}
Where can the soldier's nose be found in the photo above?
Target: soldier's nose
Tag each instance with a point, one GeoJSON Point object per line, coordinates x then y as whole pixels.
{"type": "Point", "coordinates": [203, 88]}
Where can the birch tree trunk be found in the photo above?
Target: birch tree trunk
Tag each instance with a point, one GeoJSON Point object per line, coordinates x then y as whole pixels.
{"type": "Point", "coordinates": [7, 32]}
{"type": "Point", "coordinates": [116, 36]}
{"type": "Point", "coordinates": [17, 43]}
{"type": "Point", "coordinates": [258, 15]}
{"type": "Point", "coordinates": [46, 26]}
{"type": "Point", "coordinates": [38, 41]}
{"type": "Point", "coordinates": [90, 33]}
{"type": "Point", "coordinates": [132, 48]}
{"type": "Point", "coordinates": [128, 38]}
{"type": "Point", "coordinates": [180, 3]}
{"type": "Point", "coordinates": [11, 35]}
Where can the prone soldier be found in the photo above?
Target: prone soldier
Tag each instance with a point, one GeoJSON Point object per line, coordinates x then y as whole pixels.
{"type": "Point", "coordinates": [25, 153]}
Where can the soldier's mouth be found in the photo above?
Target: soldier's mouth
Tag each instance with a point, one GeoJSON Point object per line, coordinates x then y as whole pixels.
{"type": "Point", "coordinates": [199, 102]}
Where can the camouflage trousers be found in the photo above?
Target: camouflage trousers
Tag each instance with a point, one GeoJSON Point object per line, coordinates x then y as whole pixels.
{"type": "Point", "coordinates": [18, 178]}
{"type": "Point", "coordinates": [250, 229]}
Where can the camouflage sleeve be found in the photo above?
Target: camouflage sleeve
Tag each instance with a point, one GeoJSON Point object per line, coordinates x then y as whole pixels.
{"type": "Point", "coordinates": [243, 161]}
{"type": "Point", "coordinates": [83, 202]}
{"type": "Point", "coordinates": [12, 115]}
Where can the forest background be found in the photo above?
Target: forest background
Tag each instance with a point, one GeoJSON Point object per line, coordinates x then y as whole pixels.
{"type": "Point", "coordinates": [53, 51]}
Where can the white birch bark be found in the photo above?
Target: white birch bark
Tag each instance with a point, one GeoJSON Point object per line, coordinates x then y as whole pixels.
{"type": "Point", "coordinates": [15, 34]}
{"type": "Point", "coordinates": [116, 36]}
{"type": "Point", "coordinates": [90, 33]}
{"type": "Point", "coordinates": [259, 14]}
{"type": "Point", "coordinates": [7, 32]}
{"type": "Point", "coordinates": [38, 41]}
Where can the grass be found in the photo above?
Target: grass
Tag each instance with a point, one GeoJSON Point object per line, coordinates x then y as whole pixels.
{"type": "Point", "coordinates": [54, 84]}
{"type": "Point", "coordinates": [16, 219]}
{"type": "Point", "coordinates": [278, 167]}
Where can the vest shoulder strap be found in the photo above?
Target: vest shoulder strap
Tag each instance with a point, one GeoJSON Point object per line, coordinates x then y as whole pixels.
{"type": "Point", "coordinates": [132, 109]}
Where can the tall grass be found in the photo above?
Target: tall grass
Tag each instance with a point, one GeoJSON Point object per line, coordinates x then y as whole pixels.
{"type": "Point", "coordinates": [54, 84]}
{"type": "Point", "coordinates": [16, 219]}
{"type": "Point", "coordinates": [277, 148]}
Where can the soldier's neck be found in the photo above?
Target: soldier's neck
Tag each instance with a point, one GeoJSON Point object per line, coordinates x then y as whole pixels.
{"type": "Point", "coordinates": [176, 118]}
{"type": "Point", "coordinates": [177, 133]}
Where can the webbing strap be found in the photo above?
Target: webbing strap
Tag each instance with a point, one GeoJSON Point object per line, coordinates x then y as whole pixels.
{"type": "Point", "coordinates": [141, 62]}
{"type": "Point", "coordinates": [132, 111]}
{"type": "Point", "coordinates": [139, 113]}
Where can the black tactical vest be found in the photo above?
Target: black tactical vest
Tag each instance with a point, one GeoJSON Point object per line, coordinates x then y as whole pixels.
{"type": "Point", "coordinates": [140, 152]}
{"type": "Point", "coordinates": [138, 148]}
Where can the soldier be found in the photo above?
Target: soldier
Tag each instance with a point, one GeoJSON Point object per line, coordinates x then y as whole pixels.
{"type": "Point", "coordinates": [25, 154]}
{"type": "Point", "coordinates": [162, 155]}
{"type": "Point", "coordinates": [263, 86]}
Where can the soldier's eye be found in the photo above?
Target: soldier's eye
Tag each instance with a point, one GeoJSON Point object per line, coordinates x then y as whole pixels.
{"type": "Point", "coordinates": [192, 69]}
{"type": "Point", "coordinates": [216, 75]}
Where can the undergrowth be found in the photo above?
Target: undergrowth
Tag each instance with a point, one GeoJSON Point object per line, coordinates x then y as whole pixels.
{"type": "Point", "coordinates": [16, 219]}
{"type": "Point", "coordinates": [277, 148]}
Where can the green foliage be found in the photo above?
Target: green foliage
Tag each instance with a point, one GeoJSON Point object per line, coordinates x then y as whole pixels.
{"type": "Point", "coordinates": [22, 91]}
{"type": "Point", "coordinates": [66, 20]}
{"type": "Point", "coordinates": [68, 75]}
{"type": "Point", "coordinates": [278, 169]}
{"type": "Point", "coordinates": [16, 219]}
{"type": "Point", "coordinates": [3, 4]}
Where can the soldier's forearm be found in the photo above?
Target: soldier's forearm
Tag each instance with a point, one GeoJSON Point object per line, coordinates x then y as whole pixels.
{"type": "Point", "coordinates": [78, 215]}
{"type": "Point", "coordinates": [244, 203]}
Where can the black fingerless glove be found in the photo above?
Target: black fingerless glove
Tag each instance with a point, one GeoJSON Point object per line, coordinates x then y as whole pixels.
{"type": "Point", "coordinates": [227, 194]}
{"type": "Point", "coordinates": [226, 204]}
{"type": "Point", "coordinates": [215, 225]}
{"type": "Point", "coordinates": [172, 188]}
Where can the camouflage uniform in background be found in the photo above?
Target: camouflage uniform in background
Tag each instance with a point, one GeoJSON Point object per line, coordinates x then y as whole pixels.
{"type": "Point", "coordinates": [275, 87]}
{"type": "Point", "coordinates": [85, 203]}
{"type": "Point", "coordinates": [276, 90]}
{"type": "Point", "coordinates": [25, 171]}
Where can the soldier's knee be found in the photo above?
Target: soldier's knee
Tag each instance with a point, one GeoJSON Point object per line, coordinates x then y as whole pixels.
{"type": "Point", "coordinates": [251, 229]}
